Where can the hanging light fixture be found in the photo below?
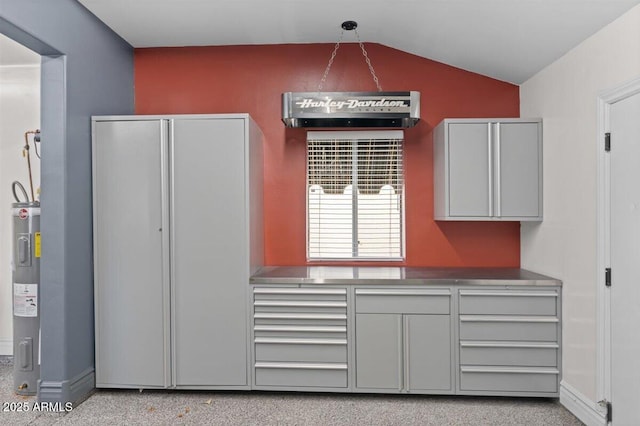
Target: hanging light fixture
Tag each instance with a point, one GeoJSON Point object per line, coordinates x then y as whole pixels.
{"type": "Point", "coordinates": [350, 109]}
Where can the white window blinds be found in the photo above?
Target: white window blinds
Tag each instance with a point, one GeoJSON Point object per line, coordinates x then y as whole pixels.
{"type": "Point", "coordinates": [355, 198]}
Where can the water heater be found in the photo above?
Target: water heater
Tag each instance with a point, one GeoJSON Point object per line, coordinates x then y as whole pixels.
{"type": "Point", "coordinates": [26, 296]}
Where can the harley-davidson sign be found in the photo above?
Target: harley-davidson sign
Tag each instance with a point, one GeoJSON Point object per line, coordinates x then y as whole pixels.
{"type": "Point", "coordinates": [351, 109]}
{"type": "Point", "coordinates": [380, 104]}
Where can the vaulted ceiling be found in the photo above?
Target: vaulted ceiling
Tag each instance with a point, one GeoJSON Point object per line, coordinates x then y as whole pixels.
{"type": "Point", "coordinates": [509, 40]}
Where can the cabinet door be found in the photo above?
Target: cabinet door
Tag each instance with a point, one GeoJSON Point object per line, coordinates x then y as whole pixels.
{"type": "Point", "coordinates": [379, 351]}
{"type": "Point", "coordinates": [469, 171]}
{"type": "Point", "coordinates": [428, 352]}
{"type": "Point", "coordinates": [131, 290]}
{"type": "Point", "coordinates": [519, 162]}
{"type": "Point", "coordinates": [209, 251]}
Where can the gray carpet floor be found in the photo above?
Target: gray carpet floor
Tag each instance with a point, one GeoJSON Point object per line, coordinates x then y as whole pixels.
{"type": "Point", "coordinates": [127, 407]}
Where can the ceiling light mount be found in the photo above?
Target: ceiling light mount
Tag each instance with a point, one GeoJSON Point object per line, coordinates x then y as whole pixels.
{"type": "Point", "coordinates": [349, 25]}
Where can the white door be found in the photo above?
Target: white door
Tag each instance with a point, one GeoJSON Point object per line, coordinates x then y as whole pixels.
{"type": "Point", "coordinates": [625, 261]}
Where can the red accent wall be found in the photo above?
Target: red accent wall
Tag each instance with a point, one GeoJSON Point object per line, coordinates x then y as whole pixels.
{"type": "Point", "coordinates": [251, 79]}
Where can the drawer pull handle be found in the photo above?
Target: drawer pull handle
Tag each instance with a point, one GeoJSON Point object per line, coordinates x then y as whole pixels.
{"type": "Point", "coordinates": [299, 304]}
{"type": "Point", "coordinates": [264, 315]}
{"type": "Point", "coordinates": [341, 342]}
{"type": "Point", "coordinates": [470, 344]}
{"type": "Point", "coordinates": [483, 318]}
{"type": "Point", "coordinates": [509, 293]}
{"type": "Point", "coordinates": [300, 329]}
{"type": "Point", "coordinates": [361, 292]}
{"type": "Point", "coordinates": [509, 370]}
{"type": "Point", "coordinates": [335, 291]}
{"type": "Point", "coordinates": [301, 366]}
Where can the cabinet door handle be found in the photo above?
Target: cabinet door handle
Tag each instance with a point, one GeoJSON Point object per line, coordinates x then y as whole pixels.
{"type": "Point", "coordinates": [167, 140]}
{"type": "Point", "coordinates": [490, 162]}
{"type": "Point", "coordinates": [407, 359]}
{"type": "Point", "coordinates": [401, 341]}
{"type": "Point", "coordinates": [498, 177]}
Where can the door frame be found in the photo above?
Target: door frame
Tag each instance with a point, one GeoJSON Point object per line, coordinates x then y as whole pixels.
{"type": "Point", "coordinates": [603, 255]}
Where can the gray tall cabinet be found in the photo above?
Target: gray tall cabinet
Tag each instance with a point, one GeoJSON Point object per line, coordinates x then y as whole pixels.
{"type": "Point", "coordinates": [177, 204]}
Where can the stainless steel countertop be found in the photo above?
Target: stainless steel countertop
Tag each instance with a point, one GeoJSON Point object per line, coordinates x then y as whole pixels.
{"type": "Point", "coordinates": [370, 275]}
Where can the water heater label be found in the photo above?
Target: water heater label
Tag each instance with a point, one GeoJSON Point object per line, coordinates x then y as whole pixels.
{"type": "Point", "coordinates": [37, 246]}
{"type": "Point", "coordinates": [23, 214]}
{"type": "Point", "coordinates": [25, 300]}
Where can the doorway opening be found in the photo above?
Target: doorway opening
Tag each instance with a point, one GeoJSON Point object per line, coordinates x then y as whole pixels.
{"type": "Point", "coordinates": [20, 76]}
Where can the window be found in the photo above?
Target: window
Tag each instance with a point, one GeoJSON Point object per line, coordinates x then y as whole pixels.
{"type": "Point", "coordinates": [355, 195]}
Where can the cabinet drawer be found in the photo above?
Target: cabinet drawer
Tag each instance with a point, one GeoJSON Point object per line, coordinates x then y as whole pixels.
{"type": "Point", "coordinates": [300, 306]}
{"type": "Point", "coordinates": [299, 294]}
{"type": "Point", "coordinates": [382, 301]}
{"type": "Point", "coordinates": [301, 331]}
{"type": "Point", "coordinates": [299, 318]}
{"type": "Point", "coordinates": [508, 302]}
{"type": "Point", "coordinates": [303, 350]}
{"type": "Point", "coordinates": [530, 354]}
{"type": "Point", "coordinates": [481, 327]}
{"type": "Point", "coordinates": [301, 374]}
{"type": "Point", "coordinates": [509, 379]}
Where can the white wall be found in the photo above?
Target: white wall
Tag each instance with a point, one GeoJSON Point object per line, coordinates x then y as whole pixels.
{"type": "Point", "coordinates": [565, 95]}
{"type": "Point", "coordinates": [19, 112]}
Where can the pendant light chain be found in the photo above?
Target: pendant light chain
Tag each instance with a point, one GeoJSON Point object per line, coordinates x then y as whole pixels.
{"type": "Point", "coordinates": [364, 53]}
{"type": "Point", "coordinates": [333, 56]}
{"type": "Point", "coordinates": [366, 58]}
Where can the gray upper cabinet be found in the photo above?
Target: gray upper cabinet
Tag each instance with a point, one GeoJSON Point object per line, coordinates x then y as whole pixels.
{"type": "Point", "coordinates": [488, 169]}
{"type": "Point", "coordinates": [177, 234]}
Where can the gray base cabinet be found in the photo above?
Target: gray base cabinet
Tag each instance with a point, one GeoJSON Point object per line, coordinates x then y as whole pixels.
{"type": "Point", "coordinates": [403, 340]}
{"type": "Point", "coordinates": [299, 338]}
{"type": "Point", "coordinates": [509, 341]}
{"type": "Point", "coordinates": [398, 353]}
{"type": "Point", "coordinates": [177, 234]}
{"type": "Point", "coordinates": [452, 339]}
{"type": "Point", "coordinates": [488, 169]}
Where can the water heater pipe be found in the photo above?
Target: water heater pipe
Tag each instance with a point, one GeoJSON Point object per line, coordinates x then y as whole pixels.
{"type": "Point", "coordinates": [28, 155]}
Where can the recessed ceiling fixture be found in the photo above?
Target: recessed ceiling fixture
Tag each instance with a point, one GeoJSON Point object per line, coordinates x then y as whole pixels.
{"type": "Point", "coordinates": [350, 109]}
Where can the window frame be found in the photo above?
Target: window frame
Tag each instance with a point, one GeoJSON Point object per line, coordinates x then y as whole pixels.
{"type": "Point", "coordinates": [355, 136]}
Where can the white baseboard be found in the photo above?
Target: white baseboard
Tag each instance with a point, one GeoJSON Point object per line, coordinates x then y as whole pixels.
{"type": "Point", "coordinates": [589, 412]}
{"type": "Point", "coordinates": [6, 347]}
